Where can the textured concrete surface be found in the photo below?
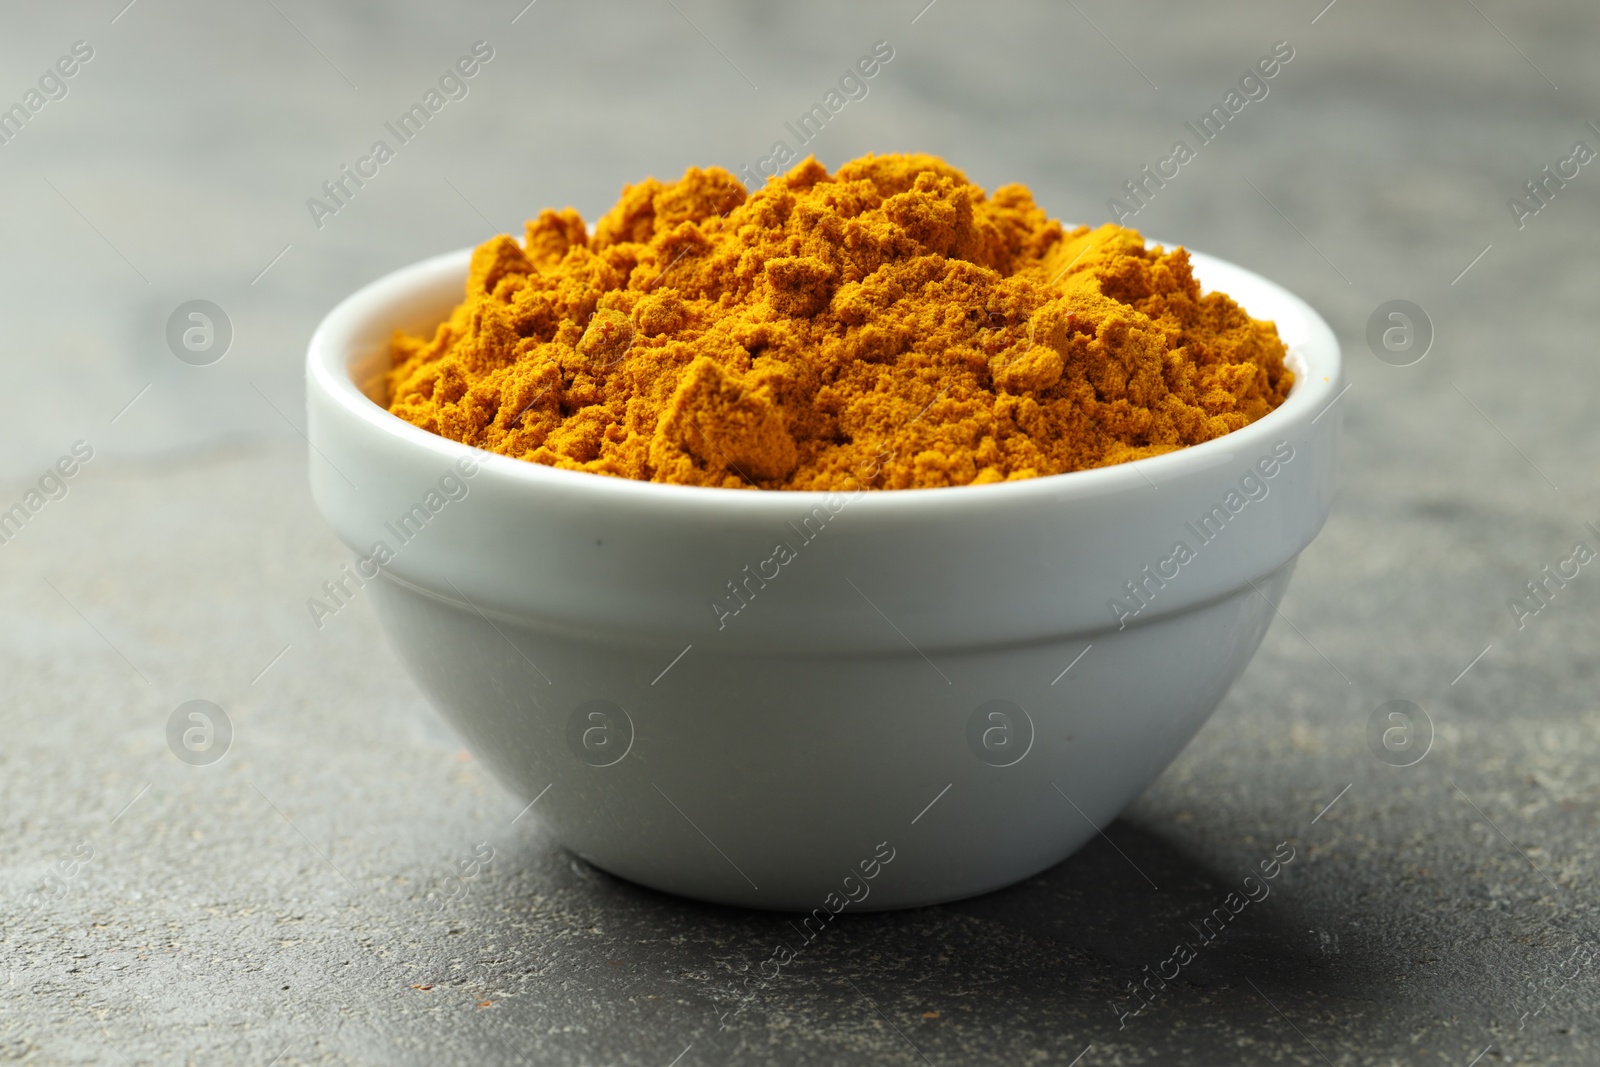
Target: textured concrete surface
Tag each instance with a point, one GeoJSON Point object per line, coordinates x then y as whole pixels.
{"type": "Point", "coordinates": [346, 886]}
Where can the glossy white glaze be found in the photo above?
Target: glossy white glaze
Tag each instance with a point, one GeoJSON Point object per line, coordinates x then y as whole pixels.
{"type": "Point", "coordinates": [795, 736]}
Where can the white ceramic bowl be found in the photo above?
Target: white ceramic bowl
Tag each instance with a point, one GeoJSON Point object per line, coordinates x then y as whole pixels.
{"type": "Point", "coordinates": [886, 722]}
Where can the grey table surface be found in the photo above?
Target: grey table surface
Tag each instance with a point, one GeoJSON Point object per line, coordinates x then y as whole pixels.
{"type": "Point", "coordinates": [294, 903]}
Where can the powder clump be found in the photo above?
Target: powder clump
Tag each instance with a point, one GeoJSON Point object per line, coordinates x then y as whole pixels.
{"type": "Point", "coordinates": [888, 326]}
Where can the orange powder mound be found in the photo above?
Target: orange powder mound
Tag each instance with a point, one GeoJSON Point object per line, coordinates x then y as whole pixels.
{"type": "Point", "coordinates": [888, 326]}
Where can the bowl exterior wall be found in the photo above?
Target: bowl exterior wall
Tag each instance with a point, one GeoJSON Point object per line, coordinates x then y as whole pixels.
{"type": "Point", "coordinates": [764, 781]}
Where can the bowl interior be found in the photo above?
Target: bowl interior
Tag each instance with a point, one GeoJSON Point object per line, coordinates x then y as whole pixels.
{"type": "Point", "coordinates": [351, 354]}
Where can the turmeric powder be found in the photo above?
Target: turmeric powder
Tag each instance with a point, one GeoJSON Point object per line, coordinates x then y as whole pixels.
{"type": "Point", "coordinates": [889, 316]}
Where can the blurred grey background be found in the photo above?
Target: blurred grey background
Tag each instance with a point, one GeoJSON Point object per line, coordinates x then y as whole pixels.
{"type": "Point", "coordinates": [319, 895]}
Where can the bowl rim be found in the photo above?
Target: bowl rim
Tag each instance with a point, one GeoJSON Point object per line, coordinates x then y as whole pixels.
{"type": "Point", "coordinates": [1316, 361]}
